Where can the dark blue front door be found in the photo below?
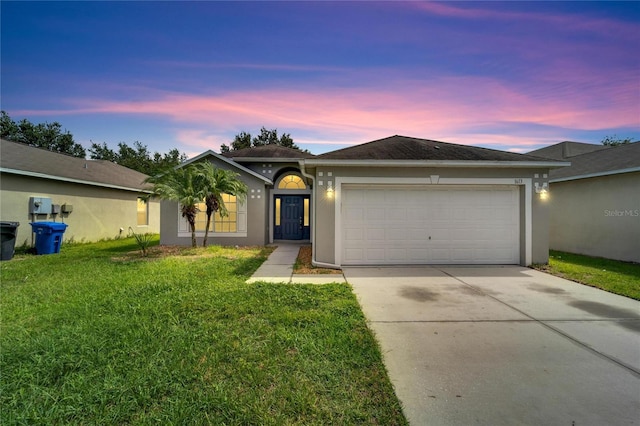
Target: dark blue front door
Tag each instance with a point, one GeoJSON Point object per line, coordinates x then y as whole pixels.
{"type": "Point", "coordinates": [291, 219]}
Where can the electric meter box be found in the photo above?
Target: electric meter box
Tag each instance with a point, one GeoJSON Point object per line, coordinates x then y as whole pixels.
{"type": "Point", "coordinates": [39, 205]}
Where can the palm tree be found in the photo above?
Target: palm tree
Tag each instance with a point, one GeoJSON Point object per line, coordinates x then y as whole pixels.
{"type": "Point", "coordinates": [217, 182]}
{"type": "Point", "coordinates": [184, 186]}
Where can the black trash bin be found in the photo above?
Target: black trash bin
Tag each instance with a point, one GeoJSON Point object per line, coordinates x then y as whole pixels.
{"type": "Point", "coordinates": [9, 231]}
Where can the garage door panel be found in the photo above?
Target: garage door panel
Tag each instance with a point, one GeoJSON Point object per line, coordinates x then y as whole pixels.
{"type": "Point", "coordinates": [441, 255]}
{"type": "Point", "coordinates": [397, 214]}
{"type": "Point", "coordinates": [462, 255]}
{"type": "Point", "coordinates": [417, 254]}
{"type": "Point", "coordinates": [396, 254]}
{"type": "Point", "coordinates": [415, 214]}
{"type": "Point", "coordinates": [413, 225]}
{"type": "Point", "coordinates": [417, 234]}
{"type": "Point", "coordinates": [375, 214]}
{"type": "Point", "coordinates": [376, 254]}
{"type": "Point", "coordinates": [372, 197]}
{"type": "Point", "coordinates": [354, 214]}
{"type": "Point", "coordinates": [354, 234]}
{"type": "Point", "coordinates": [375, 234]}
{"type": "Point", "coordinates": [353, 255]}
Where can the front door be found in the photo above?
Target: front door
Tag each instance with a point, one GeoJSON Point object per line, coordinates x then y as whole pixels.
{"type": "Point", "coordinates": [292, 220]}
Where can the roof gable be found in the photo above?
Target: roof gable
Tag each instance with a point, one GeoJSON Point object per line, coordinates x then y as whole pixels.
{"type": "Point", "coordinates": [407, 148]}
{"type": "Point", "coordinates": [228, 161]}
{"type": "Point", "coordinates": [27, 160]}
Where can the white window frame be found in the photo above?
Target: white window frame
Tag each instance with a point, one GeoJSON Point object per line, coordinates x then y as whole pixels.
{"type": "Point", "coordinates": [241, 225]}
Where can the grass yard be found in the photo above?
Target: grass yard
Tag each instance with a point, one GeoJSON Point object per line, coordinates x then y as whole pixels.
{"type": "Point", "coordinates": [611, 275]}
{"type": "Point", "coordinates": [101, 335]}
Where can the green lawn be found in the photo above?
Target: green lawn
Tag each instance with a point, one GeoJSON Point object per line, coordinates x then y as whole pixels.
{"type": "Point", "coordinates": [611, 275]}
{"type": "Point", "coordinates": [100, 335]}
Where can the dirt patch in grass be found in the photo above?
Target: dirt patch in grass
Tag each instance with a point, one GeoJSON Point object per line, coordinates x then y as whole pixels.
{"type": "Point", "coordinates": [161, 252]}
{"type": "Point", "coordinates": [303, 264]}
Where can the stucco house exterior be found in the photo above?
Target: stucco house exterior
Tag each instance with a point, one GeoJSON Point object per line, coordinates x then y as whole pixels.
{"type": "Point", "coordinates": [392, 201]}
{"type": "Point", "coordinates": [96, 198]}
{"type": "Point", "coordinates": [595, 203]}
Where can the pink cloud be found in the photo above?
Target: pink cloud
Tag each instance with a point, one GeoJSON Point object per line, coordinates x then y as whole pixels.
{"type": "Point", "coordinates": [446, 108]}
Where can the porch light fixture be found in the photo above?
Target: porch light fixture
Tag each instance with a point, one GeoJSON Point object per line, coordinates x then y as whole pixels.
{"type": "Point", "coordinates": [329, 189]}
{"type": "Point", "coordinates": [542, 190]}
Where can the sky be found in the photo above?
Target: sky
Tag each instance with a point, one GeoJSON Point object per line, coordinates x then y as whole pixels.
{"type": "Point", "coordinates": [514, 76]}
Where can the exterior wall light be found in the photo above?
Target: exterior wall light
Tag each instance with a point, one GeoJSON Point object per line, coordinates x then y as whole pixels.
{"type": "Point", "coordinates": [329, 190]}
{"type": "Point", "coordinates": [542, 190]}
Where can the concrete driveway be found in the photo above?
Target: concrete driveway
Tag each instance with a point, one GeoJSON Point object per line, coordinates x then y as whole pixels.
{"type": "Point", "coordinates": [503, 346]}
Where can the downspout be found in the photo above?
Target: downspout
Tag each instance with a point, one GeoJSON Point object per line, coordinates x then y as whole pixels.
{"type": "Point", "coordinates": [314, 262]}
{"type": "Point", "coordinates": [313, 214]}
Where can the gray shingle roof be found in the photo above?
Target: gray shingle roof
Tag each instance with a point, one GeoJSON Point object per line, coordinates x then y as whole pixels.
{"type": "Point", "coordinates": [604, 161]}
{"type": "Point", "coordinates": [30, 160]}
{"type": "Point", "coordinates": [269, 151]}
{"type": "Point", "coordinates": [407, 148]}
{"type": "Point", "coordinates": [566, 149]}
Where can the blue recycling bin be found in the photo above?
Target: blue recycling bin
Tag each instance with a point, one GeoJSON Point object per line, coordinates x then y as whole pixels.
{"type": "Point", "coordinates": [48, 236]}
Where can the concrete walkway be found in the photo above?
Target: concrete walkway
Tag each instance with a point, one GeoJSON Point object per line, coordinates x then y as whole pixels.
{"type": "Point", "coordinates": [278, 268]}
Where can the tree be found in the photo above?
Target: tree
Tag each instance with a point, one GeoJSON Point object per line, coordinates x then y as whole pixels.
{"type": "Point", "coordinates": [102, 152]}
{"type": "Point", "coordinates": [615, 141]}
{"type": "Point", "coordinates": [270, 137]}
{"type": "Point", "coordinates": [241, 141]}
{"type": "Point", "coordinates": [137, 157]}
{"type": "Point", "coordinates": [266, 137]}
{"type": "Point", "coordinates": [48, 136]}
{"type": "Point", "coordinates": [184, 186]}
{"type": "Point", "coordinates": [217, 182]}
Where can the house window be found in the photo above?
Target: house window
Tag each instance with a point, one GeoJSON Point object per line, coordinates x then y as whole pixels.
{"type": "Point", "coordinates": [306, 212]}
{"type": "Point", "coordinates": [219, 223]}
{"type": "Point", "coordinates": [143, 212]}
{"type": "Point", "coordinates": [278, 201]}
{"type": "Point", "coordinates": [291, 182]}
{"type": "Point", "coordinates": [232, 225]}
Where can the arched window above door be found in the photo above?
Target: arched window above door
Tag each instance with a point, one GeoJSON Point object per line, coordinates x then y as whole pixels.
{"type": "Point", "coordinates": [291, 182]}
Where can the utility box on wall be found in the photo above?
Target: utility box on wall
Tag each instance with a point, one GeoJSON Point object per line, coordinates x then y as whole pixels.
{"type": "Point", "coordinates": [39, 205]}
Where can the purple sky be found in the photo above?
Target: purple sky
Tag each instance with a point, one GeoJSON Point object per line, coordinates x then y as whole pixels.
{"type": "Point", "coordinates": [508, 75]}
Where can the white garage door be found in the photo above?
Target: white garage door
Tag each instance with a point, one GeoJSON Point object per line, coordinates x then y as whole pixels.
{"type": "Point", "coordinates": [386, 224]}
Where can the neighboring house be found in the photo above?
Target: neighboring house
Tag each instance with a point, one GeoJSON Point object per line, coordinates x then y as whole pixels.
{"type": "Point", "coordinates": [397, 200]}
{"type": "Point", "coordinates": [595, 203]}
{"type": "Point", "coordinates": [96, 198]}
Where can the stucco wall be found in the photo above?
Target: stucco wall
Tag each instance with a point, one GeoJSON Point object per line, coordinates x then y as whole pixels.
{"type": "Point", "coordinates": [597, 216]}
{"type": "Point", "coordinates": [97, 212]}
{"type": "Point", "coordinates": [324, 239]}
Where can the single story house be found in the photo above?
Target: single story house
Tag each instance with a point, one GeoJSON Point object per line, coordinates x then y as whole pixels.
{"type": "Point", "coordinates": [394, 201]}
{"type": "Point", "coordinates": [96, 198]}
{"type": "Point", "coordinates": [595, 203]}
